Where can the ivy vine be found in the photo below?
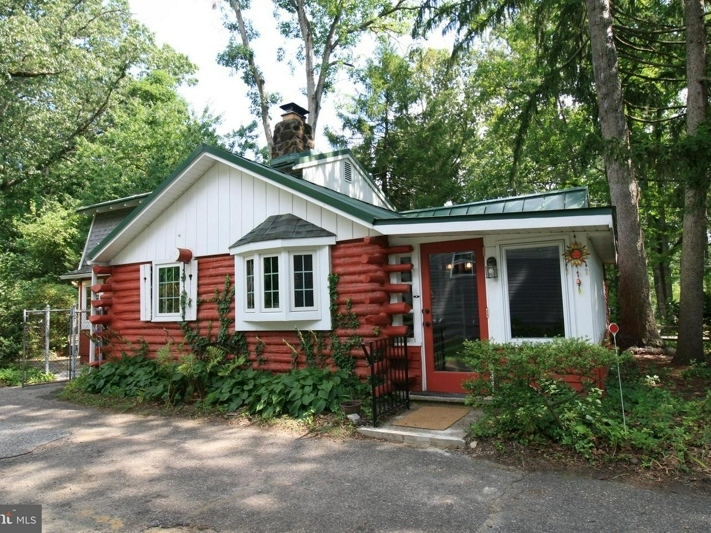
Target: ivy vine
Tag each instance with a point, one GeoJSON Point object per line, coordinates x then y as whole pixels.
{"type": "Point", "coordinates": [233, 343]}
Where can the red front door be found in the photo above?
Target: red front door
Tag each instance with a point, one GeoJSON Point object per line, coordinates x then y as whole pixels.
{"type": "Point", "coordinates": [454, 309]}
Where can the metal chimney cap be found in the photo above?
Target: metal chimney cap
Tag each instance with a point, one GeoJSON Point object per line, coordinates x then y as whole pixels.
{"type": "Point", "coordinates": [294, 108]}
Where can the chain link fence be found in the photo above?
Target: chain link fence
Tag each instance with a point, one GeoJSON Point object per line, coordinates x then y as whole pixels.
{"type": "Point", "coordinates": [50, 345]}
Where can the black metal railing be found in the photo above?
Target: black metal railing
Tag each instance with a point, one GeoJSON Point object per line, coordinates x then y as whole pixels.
{"type": "Point", "coordinates": [389, 377]}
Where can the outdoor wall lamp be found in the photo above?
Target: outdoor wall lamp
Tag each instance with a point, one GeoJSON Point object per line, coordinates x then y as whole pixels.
{"type": "Point", "coordinates": [492, 271]}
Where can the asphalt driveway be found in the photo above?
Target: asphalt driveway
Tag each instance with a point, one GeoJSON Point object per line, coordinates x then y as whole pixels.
{"type": "Point", "coordinates": [98, 471]}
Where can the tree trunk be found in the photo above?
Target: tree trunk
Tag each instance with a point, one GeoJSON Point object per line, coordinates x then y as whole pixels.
{"type": "Point", "coordinates": [637, 324]}
{"type": "Point", "coordinates": [690, 346]}
{"type": "Point", "coordinates": [256, 75]}
{"type": "Point", "coordinates": [661, 268]}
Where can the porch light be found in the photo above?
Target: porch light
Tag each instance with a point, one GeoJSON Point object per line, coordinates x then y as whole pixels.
{"type": "Point", "coordinates": [492, 271]}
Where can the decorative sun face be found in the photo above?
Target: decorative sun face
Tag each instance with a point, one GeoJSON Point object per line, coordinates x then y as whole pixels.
{"type": "Point", "coordinates": [575, 254]}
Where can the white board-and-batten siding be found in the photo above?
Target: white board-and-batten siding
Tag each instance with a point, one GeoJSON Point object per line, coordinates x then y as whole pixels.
{"type": "Point", "coordinates": [220, 208]}
{"type": "Point", "coordinates": [331, 174]}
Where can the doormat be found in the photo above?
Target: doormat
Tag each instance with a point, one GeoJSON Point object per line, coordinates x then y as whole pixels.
{"type": "Point", "coordinates": [433, 417]}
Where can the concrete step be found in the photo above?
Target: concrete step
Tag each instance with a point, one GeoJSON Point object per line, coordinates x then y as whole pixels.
{"type": "Point", "coordinates": [452, 437]}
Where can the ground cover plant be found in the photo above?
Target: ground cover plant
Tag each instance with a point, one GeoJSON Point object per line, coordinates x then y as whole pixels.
{"type": "Point", "coordinates": [225, 385]}
{"type": "Point", "coordinates": [11, 376]}
{"type": "Point", "coordinates": [667, 410]}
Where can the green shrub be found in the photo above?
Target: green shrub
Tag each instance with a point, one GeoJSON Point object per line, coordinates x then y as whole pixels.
{"type": "Point", "coordinates": [299, 393]}
{"type": "Point", "coordinates": [521, 390]}
{"type": "Point", "coordinates": [661, 426]}
{"type": "Point", "coordinates": [133, 376]}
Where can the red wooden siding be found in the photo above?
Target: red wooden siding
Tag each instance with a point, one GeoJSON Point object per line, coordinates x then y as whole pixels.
{"type": "Point", "coordinates": [362, 281]}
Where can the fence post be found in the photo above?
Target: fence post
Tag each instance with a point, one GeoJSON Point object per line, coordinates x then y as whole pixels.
{"type": "Point", "coordinates": [73, 341]}
{"type": "Point", "coordinates": [46, 339]}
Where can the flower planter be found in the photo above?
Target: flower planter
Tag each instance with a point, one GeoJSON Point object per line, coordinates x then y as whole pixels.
{"type": "Point", "coordinates": [351, 407]}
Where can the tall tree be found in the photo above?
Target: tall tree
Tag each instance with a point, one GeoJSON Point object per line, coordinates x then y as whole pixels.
{"type": "Point", "coordinates": [326, 32]}
{"type": "Point", "coordinates": [561, 44]}
{"type": "Point", "coordinates": [62, 63]}
{"type": "Point", "coordinates": [695, 240]}
{"type": "Point", "coordinates": [412, 121]}
{"type": "Point", "coordinates": [89, 110]}
{"type": "Point", "coordinates": [637, 318]}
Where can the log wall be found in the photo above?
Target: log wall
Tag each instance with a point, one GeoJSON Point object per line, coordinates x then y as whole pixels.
{"type": "Point", "coordinates": [363, 290]}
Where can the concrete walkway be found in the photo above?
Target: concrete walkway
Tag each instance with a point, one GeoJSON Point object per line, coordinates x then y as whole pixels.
{"type": "Point", "coordinates": [100, 471]}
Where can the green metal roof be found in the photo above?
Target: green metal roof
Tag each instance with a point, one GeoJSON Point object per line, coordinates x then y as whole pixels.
{"type": "Point", "coordinates": [549, 204]}
{"type": "Point", "coordinates": [576, 198]}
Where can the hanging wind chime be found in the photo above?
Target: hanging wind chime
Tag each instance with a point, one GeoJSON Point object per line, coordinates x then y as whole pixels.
{"type": "Point", "coordinates": [575, 255]}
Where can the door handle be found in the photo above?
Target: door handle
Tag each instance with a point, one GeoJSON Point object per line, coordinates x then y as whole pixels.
{"type": "Point", "coordinates": [427, 324]}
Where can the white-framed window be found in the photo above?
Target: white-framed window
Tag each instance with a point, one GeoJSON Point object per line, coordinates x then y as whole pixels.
{"type": "Point", "coordinates": [85, 304]}
{"type": "Point", "coordinates": [535, 293]}
{"type": "Point", "coordinates": [284, 284]}
{"type": "Point", "coordinates": [165, 288]}
{"type": "Point", "coordinates": [405, 277]}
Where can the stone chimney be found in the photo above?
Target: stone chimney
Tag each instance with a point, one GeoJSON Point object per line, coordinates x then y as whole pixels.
{"type": "Point", "coordinates": [292, 135]}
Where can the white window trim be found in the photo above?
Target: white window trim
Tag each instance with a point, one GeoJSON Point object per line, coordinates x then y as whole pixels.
{"type": "Point", "coordinates": [503, 275]}
{"type": "Point", "coordinates": [85, 298]}
{"type": "Point", "coordinates": [317, 317]}
{"type": "Point", "coordinates": [149, 291]}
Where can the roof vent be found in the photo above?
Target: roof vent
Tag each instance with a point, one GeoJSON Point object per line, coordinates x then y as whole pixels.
{"type": "Point", "coordinates": [348, 172]}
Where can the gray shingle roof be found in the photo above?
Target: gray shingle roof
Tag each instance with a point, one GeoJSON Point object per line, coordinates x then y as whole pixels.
{"type": "Point", "coordinates": [283, 227]}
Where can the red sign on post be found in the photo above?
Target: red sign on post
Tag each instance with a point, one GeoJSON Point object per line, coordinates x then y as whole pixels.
{"type": "Point", "coordinates": [613, 328]}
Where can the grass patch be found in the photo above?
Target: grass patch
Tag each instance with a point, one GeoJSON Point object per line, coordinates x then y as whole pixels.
{"type": "Point", "coordinates": [11, 376]}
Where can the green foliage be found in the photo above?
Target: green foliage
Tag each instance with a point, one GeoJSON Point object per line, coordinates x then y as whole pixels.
{"type": "Point", "coordinates": [11, 376]}
{"type": "Point", "coordinates": [524, 400]}
{"type": "Point", "coordinates": [299, 393]}
{"type": "Point", "coordinates": [23, 294]}
{"type": "Point", "coordinates": [662, 427]}
{"type": "Point", "coordinates": [130, 376]}
{"type": "Point", "coordinates": [697, 370]}
{"type": "Point", "coordinates": [341, 350]}
{"type": "Point", "coordinates": [529, 400]}
{"type": "Point", "coordinates": [227, 341]}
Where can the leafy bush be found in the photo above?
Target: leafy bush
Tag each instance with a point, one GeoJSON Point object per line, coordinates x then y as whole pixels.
{"type": "Point", "coordinates": [524, 399]}
{"type": "Point", "coordinates": [133, 376]}
{"type": "Point", "coordinates": [524, 396]}
{"type": "Point", "coordinates": [299, 393]}
{"type": "Point", "coordinates": [11, 376]}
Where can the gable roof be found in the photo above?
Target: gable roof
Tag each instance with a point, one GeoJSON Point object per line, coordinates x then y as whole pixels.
{"type": "Point", "coordinates": [283, 227]}
{"type": "Point", "coordinates": [557, 209]}
{"type": "Point", "coordinates": [107, 215]}
{"type": "Point", "coordinates": [201, 160]}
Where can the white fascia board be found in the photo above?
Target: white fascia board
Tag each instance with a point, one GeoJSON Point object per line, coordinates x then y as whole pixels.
{"type": "Point", "coordinates": [86, 243]}
{"type": "Point", "coordinates": [283, 244]}
{"type": "Point", "coordinates": [427, 226]}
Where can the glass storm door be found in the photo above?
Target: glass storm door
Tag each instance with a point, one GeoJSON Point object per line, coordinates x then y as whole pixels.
{"type": "Point", "coordinates": [454, 309]}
